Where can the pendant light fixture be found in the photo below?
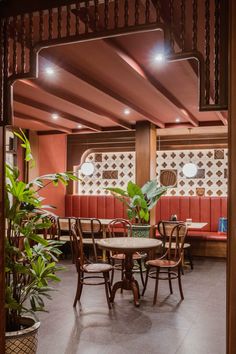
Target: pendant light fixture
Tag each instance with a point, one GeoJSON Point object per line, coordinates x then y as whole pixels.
{"type": "Point", "coordinates": [190, 168]}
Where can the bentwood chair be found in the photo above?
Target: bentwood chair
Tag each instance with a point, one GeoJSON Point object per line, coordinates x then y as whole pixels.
{"type": "Point", "coordinates": [122, 228]}
{"type": "Point", "coordinates": [48, 233]}
{"type": "Point", "coordinates": [168, 267]}
{"type": "Point", "coordinates": [91, 229]}
{"type": "Point", "coordinates": [64, 230]}
{"type": "Point", "coordinates": [89, 273]}
{"type": "Point", "coordinates": [164, 228]}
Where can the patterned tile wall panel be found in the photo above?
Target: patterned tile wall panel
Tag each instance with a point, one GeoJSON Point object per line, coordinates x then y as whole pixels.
{"type": "Point", "coordinates": [211, 178]}
{"type": "Point", "coordinates": [119, 168]}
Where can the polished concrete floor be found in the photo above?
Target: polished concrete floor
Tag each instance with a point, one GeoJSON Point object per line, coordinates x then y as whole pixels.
{"type": "Point", "coordinates": [193, 326]}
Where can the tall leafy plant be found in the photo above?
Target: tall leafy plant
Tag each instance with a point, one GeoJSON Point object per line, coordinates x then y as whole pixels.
{"type": "Point", "coordinates": [139, 200]}
{"type": "Point", "coordinates": [30, 260]}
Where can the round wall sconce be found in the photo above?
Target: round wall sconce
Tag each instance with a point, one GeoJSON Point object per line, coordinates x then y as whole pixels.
{"type": "Point", "coordinates": [87, 168]}
{"type": "Point", "coordinates": [190, 170]}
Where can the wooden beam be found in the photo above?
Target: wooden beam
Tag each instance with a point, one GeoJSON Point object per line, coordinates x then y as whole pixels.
{"type": "Point", "coordinates": [41, 121]}
{"type": "Point", "coordinates": [105, 129]}
{"type": "Point", "coordinates": [104, 89]}
{"type": "Point", "coordinates": [77, 101]}
{"type": "Point", "coordinates": [140, 69]}
{"type": "Point", "coordinates": [48, 132]}
{"type": "Point", "coordinates": [145, 156]}
{"type": "Point", "coordinates": [49, 109]}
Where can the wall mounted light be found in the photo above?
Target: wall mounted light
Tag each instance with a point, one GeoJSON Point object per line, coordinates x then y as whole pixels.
{"type": "Point", "coordinates": [87, 168]}
{"type": "Point", "coordinates": [190, 170]}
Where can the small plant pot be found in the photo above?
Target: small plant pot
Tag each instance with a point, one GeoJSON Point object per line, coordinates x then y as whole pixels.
{"type": "Point", "coordinates": [24, 340]}
{"type": "Point", "coordinates": [141, 230]}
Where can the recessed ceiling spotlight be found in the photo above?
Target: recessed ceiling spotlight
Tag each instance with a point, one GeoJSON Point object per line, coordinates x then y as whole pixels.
{"type": "Point", "coordinates": [177, 120]}
{"type": "Point", "coordinates": [159, 57]}
{"type": "Point", "coordinates": [126, 111]}
{"type": "Point", "coordinates": [79, 126]}
{"type": "Point", "coordinates": [55, 116]}
{"type": "Point", "coordinates": [49, 70]}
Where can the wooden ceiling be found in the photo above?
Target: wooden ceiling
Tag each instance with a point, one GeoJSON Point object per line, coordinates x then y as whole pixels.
{"type": "Point", "coordinates": [94, 82]}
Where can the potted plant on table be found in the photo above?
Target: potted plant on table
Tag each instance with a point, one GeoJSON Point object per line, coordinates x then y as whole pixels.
{"type": "Point", "coordinates": [139, 202]}
{"type": "Point", "coordinates": [30, 260]}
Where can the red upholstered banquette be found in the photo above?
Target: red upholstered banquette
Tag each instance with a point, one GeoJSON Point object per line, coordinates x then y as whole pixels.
{"type": "Point", "coordinates": [202, 209]}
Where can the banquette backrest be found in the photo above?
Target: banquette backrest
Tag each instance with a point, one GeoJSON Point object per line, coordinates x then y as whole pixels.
{"type": "Point", "coordinates": [202, 209]}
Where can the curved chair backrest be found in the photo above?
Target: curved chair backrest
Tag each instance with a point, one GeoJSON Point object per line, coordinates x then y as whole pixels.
{"type": "Point", "coordinates": [77, 243]}
{"type": "Point", "coordinates": [174, 233]}
{"type": "Point", "coordinates": [120, 227]}
{"type": "Point", "coordinates": [90, 228]}
{"type": "Point", "coordinates": [49, 233]}
{"type": "Point", "coordinates": [64, 225]}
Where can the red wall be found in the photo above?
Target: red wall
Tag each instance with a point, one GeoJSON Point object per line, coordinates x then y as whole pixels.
{"type": "Point", "coordinates": [51, 159]}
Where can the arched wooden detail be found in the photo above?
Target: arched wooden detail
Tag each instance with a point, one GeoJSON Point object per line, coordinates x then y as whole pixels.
{"type": "Point", "coordinates": [190, 31]}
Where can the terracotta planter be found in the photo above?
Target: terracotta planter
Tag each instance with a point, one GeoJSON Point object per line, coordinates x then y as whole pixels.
{"type": "Point", "coordinates": [141, 230]}
{"type": "Point", "coordinates": [24, 340]}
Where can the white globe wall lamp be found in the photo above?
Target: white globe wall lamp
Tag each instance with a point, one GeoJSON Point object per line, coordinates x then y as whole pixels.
{"type": "Point", "coordinates": [87, 168]}
{"type": "Point", "coordinates": [190, 169]}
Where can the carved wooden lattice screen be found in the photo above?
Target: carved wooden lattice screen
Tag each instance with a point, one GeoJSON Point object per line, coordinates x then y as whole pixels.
{"type": "Point", "coordinates": [192, 29]}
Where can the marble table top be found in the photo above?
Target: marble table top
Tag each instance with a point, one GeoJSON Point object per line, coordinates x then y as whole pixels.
{"type": "Point", "coordinates": [128, 244]}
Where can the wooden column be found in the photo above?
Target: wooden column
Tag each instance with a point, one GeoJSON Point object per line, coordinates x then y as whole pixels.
{"type": "Point", "coordinates": [145, 148]}
{"type": "Point", "coordinates": [2, 234]}
{"type": "Point", "coordinates": [231, 259]}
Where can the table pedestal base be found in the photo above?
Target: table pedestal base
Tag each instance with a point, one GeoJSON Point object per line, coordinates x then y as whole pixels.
{"type": "Point", "coordinates": [128, 283]}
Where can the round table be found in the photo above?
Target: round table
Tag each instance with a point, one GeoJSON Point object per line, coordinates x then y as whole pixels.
{"type": "Point", "coordinates": [128, 246]}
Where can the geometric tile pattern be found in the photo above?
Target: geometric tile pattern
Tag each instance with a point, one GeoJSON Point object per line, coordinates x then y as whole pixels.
{"type": "Point", "coordinates": [27, 344]}
{"type": "Point", "coordinates": [116, 169]}
{"type": "Point", "coordinates": [113, 169]}
{"type": "Point", "coordinates": [211, 178]}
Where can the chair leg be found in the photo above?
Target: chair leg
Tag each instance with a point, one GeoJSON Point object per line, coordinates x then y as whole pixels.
{"type": "Point", "coordinates": [156, 286]}
{"type": "Point", "coordinates": [78, 290]}
{"type": "Point", "coordinates": [122, 274]}
{"type": "Point", "coordinates": [106, 280]}
{"type": "Point", "coordinates": [72, 252]}
{"type": "Point", "coordinates": [170, 283]}
{"type": "Point", "coordinates": [140, 269]}
{"type": "Point", "coordinates": [146, 280]}
{"type": "Point", "coordinates": [190, 258]}
{"type": "Point", "coordinates": [113, 270]}
{"type": "Point", "coordinates": [180, 283]}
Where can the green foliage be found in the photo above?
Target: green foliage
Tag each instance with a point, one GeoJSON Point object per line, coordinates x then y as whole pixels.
{"type": "Point", "coordinates": [139, 200]}
{"type": "Point", "coordinates": [30, 260]}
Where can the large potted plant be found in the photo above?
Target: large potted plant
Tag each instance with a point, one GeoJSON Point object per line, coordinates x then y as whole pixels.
{"type": "Point", "coordinates": [30, 260]}
{"type": "Point", "coordinates": [139, 202]}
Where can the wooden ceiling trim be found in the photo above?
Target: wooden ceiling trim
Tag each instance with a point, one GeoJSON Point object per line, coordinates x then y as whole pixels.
{"type": "Point", "coordinates": [41, 121]}
{"type": "Point", "coordinates": [187, 115]}
{"type": "Point", "coordinates": [48, 132]}
{"type": "Point", "coordinates": [49, 109]}
{"type": "Point", "coordinates": [78, 101]}
{"type": "Point", "coordinates": [104, 89]}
